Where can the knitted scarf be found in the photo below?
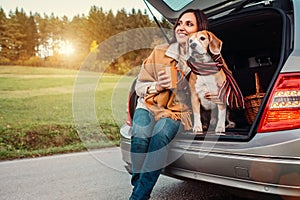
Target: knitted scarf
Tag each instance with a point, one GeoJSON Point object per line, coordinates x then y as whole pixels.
{"type": "Point", "coordinates": [229, 92]}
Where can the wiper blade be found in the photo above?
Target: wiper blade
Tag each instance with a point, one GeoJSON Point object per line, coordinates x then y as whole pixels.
{"type": "Point", "coordinates": [246, 2]}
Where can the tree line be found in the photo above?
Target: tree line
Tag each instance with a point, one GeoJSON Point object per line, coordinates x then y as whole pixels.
{"type": "Point", "coordinates": [37, 40]}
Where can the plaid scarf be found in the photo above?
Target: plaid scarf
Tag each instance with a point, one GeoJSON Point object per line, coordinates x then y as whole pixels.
{"type": "Point", "coordinates": [229, 92]}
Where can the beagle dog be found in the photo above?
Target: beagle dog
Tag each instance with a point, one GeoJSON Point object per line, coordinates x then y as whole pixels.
{"type": "Point", "coordinates": [206, 79]}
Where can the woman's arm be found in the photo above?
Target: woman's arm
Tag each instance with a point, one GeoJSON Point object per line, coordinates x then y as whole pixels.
{"type": "Point", "coordinates": [152, 79]}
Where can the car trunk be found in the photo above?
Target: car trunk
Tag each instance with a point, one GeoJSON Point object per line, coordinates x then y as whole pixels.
{"type": "Point", "coordinates": [254, 47]}
{"type": "Point", "coordinates": [256, 41]}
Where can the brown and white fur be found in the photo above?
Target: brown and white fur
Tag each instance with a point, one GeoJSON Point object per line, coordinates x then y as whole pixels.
{"type": "Point", "coordinates": [200, 47]}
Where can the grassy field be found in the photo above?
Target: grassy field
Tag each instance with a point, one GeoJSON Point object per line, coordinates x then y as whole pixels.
{"type": "Point", "coordinates": [46, 111]}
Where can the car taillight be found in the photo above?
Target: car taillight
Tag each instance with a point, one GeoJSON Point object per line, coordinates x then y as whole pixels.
{"type": "Point", "coordinates": [282, 111]}
{"type": "Point", "coordinates": [128, 118]}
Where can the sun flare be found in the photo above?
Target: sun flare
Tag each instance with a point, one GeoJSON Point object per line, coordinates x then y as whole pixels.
{"type": "Point", "coordinates": [66, 48]}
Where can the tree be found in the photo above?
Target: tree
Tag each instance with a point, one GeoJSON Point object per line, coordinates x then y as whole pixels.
{"type": "Point", "coordinates": [24, 37]}
{"type": "Point", "coordinates": [79, 35]}
{"type": "Point", "coordinates": [19, 36]}
{"type": "Point", "coordinates": [97, 25]}
{"type": "Point", "coordinates": [31, 37]}
{"type": "Point", "coordinates": [43, 35]}
{"type": "Point", "coordinates": [3, 38]}
{"type": "Point", "coordinates": [13, 38]}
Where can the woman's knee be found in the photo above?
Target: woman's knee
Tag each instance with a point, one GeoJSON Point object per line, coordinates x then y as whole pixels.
{"type": "Point", "coordinates": [143, 122]}
{"type": "Point", "coordinates": [166, 129]}
{"type": "Point", "coordinates": [142, 117]}
{"type": "Point", "coordinates": [167, 126]}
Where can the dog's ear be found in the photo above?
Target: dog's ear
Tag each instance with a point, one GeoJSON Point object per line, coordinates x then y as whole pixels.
{"type": "Point", "coordinates": [215, 44]}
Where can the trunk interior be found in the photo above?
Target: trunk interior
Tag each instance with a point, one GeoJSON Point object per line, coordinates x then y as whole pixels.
{"type": "Point", "coordinates": [253, 43]}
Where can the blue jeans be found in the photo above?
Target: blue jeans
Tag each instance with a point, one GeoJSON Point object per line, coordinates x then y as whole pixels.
{"type": "Point", "coordinates": [149, 150]}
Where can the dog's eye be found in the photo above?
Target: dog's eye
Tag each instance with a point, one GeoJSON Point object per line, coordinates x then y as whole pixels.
{"type": "Point", "coordinates": [191, 41]}
{"type": "Point", "coordinates": [202, 38]}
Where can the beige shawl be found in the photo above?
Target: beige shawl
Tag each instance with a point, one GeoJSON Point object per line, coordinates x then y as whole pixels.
{"type": "Point", "coordinates": [165, 104]}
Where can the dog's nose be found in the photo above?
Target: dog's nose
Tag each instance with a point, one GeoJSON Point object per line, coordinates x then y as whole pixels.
{"type": "Point", "coordinates": [193, 45]}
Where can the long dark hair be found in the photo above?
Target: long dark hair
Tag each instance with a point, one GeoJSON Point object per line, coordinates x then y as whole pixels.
{"type": "Point", "coordinates": [202, 21]}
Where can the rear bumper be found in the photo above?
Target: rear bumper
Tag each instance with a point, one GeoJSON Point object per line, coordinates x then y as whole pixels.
{"type": "Point", "coordinates": [255, 186]}
{"type": "Point", "coordinates": [261, 174]}
{"type": "Point", "coordinates": [238, 165]}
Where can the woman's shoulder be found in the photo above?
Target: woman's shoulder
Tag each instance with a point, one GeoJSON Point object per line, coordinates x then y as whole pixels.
{"type": "Point", "coordinates": [163, 47]}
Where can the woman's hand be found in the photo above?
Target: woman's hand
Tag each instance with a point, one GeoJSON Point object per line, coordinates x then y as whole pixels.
{"type": "Point", "coordinates": [163, 81]}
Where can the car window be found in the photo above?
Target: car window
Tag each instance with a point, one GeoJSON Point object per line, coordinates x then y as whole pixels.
{"type": "Point", "coordinates": [177, 5]}
{"type": "Point", "coordinates": [171, 9]}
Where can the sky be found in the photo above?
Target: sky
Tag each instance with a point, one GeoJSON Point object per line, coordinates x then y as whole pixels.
{"type": "Point", "coordinates": [70, 8]}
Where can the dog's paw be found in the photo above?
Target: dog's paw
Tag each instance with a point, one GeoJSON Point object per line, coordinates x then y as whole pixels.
{"type": "Point", "coordinates": [220, 130]}
{"type": "Point", "coordinates": [231, 125]}
{"type": "Point", "coordinates": [220, 134]}
{"type": "Point", "coordinates": [197, 129]}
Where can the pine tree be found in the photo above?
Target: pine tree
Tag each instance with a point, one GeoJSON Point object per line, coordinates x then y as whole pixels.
{"type": "Point", "coordinates": [3, 38]}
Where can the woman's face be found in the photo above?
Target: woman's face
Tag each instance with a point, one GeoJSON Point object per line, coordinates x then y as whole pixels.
{"type": "Point", "coordinates": [187, 24]}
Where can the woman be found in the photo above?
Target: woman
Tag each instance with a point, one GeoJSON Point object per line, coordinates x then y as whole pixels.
{"type": "Point", "coordinates": [160, 112]}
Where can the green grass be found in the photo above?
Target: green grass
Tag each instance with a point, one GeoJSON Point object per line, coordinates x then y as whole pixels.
{"type": "Point", "coordinates": [40, 82]}
{"type": "Point", "coordinates": [46, 111]}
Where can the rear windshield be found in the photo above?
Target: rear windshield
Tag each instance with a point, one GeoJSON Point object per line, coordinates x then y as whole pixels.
{"type": "Point", "coordinates": [177, 5]}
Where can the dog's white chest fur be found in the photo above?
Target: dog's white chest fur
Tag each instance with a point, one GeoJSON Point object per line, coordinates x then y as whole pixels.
{"type": "Point", "coordinates": [203, 85]}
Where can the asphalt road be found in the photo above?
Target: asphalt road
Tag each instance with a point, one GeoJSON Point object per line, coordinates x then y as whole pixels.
{"type": "Point", "coordinates": [89, 176]}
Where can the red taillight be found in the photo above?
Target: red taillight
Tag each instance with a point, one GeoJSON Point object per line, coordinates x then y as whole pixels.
{"type": "Point", "coordinates": [282, 111]}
